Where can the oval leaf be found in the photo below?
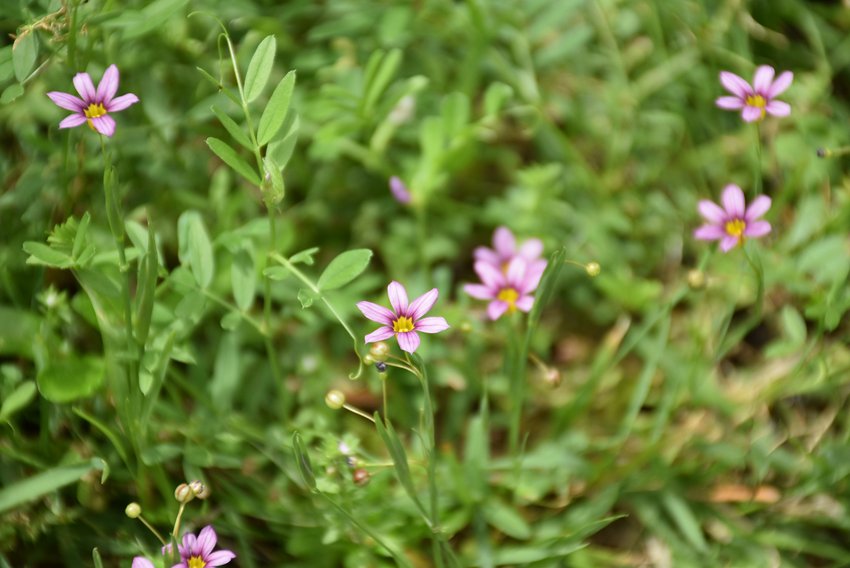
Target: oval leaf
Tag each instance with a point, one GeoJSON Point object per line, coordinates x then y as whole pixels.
{"type": "Point", "coordinates": [229, 156]}
{"type": "Point", "coordinates": [232, 128]}
{"type": "Point", "coordinates": [243, 278]}
{"type": "Point", "coordinates": [344, 268]}
{"type": "Point", "coordinates": [275, 112]}
{"type": "Point", "coordinates": [24, 53]}
{"type": "Point", "coordinates": [19, 398]}
{"type": "Point", "coordinates": [260, 68]}
{"type": "Point", "coordinates": [65, 380]}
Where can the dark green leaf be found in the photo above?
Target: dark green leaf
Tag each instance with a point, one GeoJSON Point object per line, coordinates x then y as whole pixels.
{"type": "Point", "coordinates": [344, 268]}
{"type": "Point", "coordinates": [39, 485]}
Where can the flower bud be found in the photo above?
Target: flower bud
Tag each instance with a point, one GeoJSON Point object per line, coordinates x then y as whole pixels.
{"type": "Point", "coordinates": [552, 377]}
{"type": "Point", "coordinates": [360, 476]}
{"type": "Point", "coordinates": [133, 510]}
{"type": "Point", "coordinates": [368, 359]}
{"type": "Point", "coordinates": [696, 279]}
{"type": "Point", "coordinates": [335, 399]}
{"type": "Point", "coordinates": [593, 269]}
{"type": "Point", "coordinates": [199, 489]}
{"type": "Point", "coordinates": [183, 493]}
{"type": "Point", "coordinates": [381, 366]}
{"type": "Point", "coordinates": [379, 351]}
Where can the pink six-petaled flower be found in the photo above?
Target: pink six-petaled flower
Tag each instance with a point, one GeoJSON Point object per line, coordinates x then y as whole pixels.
{"type": "Point", "coordinates": [757, 100]}
{"type": "Point", "coordinates": [96, 104]}
{"type": "Point", "coordinates": [405, 319]}
{"type": "Point", "coordinates": [508, 290]}
{"type": "Point", "coordinates": [733, 222]}
{"type": "Point", "coordinates": [505, 249]}
{"type": "Point", "coordinates": [197, 552]}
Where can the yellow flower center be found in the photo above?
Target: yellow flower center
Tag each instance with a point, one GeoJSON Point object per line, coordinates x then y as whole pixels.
{"type": "Point", "coordinates": [735, 227]}
{"type": "Point", "coordinates": [403, 325]}
{"type": "Point", "coordinates": [509, 296]}
{"type": "Point", "coordinates": [196, 562]}
{"type": "Point", "coordinates": [758, 102]}
{"type": "Point", "coordinates": [94, 111]}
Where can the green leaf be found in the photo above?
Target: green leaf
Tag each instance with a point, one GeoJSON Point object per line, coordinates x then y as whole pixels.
{"type": "Point", "coordinates": [305, 256]}
{"type": "Point", "coordinates": [260, 68]}
{"type": "Point", "coordinates": [793, 325]}
{"type": "Point", "coordinates": [232, 128]}
{"type": "Point", "coordinates": [195, 247]}
{"type": "Point", "coordinates": [39, 485]}
{"type": "Point", "coordinates": [11, 93]}
{"type": "Point", "coordinates": [229, 156]}
{"type": "Point", "coordinates": [383, 74]}
{"type": "Point", "coordinates": [275, 112]}
{"type": "Point", "coordinates": [276, 272]}
{"type": "Point", "coordinates": [303, 459]}
{"type": "Point", "coordinates": [506, 519]}
{"type": "Point", "coordinates": [95, 556]}
{"type": "Point", "coordinates": [399, 457]}
{"type": "Point", "coordinates": [80, 237]}
{"type": "Point", "coordinates": [19, 398]}
{"type": "Point", "coordinates": [65, 380]}
{"type": "Point", "coordinates": [243, 277]}
{"type": "Point", "coordinates": [280, 150]}
{"type": "Point", "coordinates": [495, 97]}
{"type": "Point", "coordinates": [344, 268]}
{"type": "Point", "coordinates": [148, 272]}
{"type": "Point", "coordinates": [24, 54]}
{"type": "Point", "coordinates": [231, 321]}
{"type": "Point", "coordinates": [306, 297]}
{"type": "Point", "coordinates": [41, 254]}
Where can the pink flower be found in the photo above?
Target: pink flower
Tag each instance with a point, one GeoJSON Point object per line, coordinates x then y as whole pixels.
{"type": "Point", "coordinates": [758, 99]}
{"type": "Point", "coordinates": [505, 250]}
{"type": "Point", "coordinates": [405, 319]}
{"type": "Point", "coordinates": [732, 223]}
{"type": "Point", "coordinates": [141, 562]}
{"type": "Point", "coordinates": [399, 190]}
{"type": "Point", "coordinates": [507, 290]}
{"type": "Point", "coordinates": [95, 105]}
{"type": "Point", "coordinates": [198, 552]}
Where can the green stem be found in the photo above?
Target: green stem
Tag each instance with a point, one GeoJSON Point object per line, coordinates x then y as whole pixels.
{"type": "Point", "coordinates": [517, 362]}
{"type": "Point", "coordinates": [758, 177]}
{"type": "Point", "coordinates": [267, 322]}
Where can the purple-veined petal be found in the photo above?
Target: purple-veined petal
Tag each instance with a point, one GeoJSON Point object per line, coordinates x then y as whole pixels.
{"type": "Point", "coordinates": [408, 341]}
{"type": "Point", "coordinates": [734, 84]}
{"type": "Point", "coordinates": [432, 325]}
{"type": "Point", "coordinates": [73, 120]}
{"type": "Point", "coordinates": [219, 558]}
{"type": "Point", "coordinates": [376, 313]}
{"type": "Point", "coordinates": [108, 85]}
{"type": "Point", "coordinates": [120, 103]}
{"type": "Point", "coordinates": [757, 208]}
{"type": "Point", "coordinates": [188, 545]}
{"type": "Point", "coordinates": [399, 190]}
{"type": "Point", "coordinates": [728, 242]}
{"type": "Point", "coordinates": [491, 276]}
{"type": "Point", "coordinates": [711, 211]}
{"type": "Point", "coordinates": [525, 303]}
{"type": "Point", "coordinates": [420, 306]}
{"type": "Point", "coordinates": [66, 101]}
{"type": "Point", "coordinates": [780, 84]}
{"type": "Point", "coordinates": [757, 229]}
{"type": "Point", "coordinates": [504, 242]}
{"type": "Point", "coordinates": [181, 565]}
{"type": "Point", "coordinates": [763, 78]}
{"type": "Point", "coordinates": [104, 124]}
{"type": "Point", "coordinates": [206, 541]}
{"type": "Point", "coordinates": [398, 298]}
{"type": "Point", "coordinates": [141, 562]}
{"type": "Point", "coordinates": [778, 108]}
{"type": "Point", "coordinates": [733, 201]}
{"type": "Point", "coordinates": [380, 334]}
{"type": "Point", "coordinates": [479, 291]}
{"type": "Point", "coordinates": [531, 249]}
{"type": "Point", "coordinates": [752, 114]}
{"type": "Point", "coordinates": [516, 270]}
{"type": "Point", "coordinates": [730, 103]}
{"type": "Point", "coordinates": [84, 86]}
{"type": "Point", "coordinates": [496, 308]}
{"type": "Point", "coordinates": [532, 277]}
{"type": "Point", "coordinates": [709, 233]}
{"type": "Point", "coordinates": [487, 255]}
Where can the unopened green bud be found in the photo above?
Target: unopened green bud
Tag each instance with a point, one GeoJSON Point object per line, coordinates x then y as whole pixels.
{"type": "Point", "coordinates": [593, 269]}
{"type": "Point", "coordinates": [696, 279]}
{"type": "Point", "coordinates": [379, 351]}
{"type": "Point", "coordinates": [183, 493]}
{"type": "Point", "coordinates": [368, 359]}
{"type": "Point", "coordinates": [199, 489]}
{"type": "Point", "coordinates": [133, 510]}
{"type": "Point", "coordinates": [335, 399]}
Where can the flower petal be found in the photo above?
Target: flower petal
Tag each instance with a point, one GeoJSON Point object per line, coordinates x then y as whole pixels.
{"type": "Point", "coordinates": [780, 84]}
{"type": "Point", "coordinates": [73, 120]}
{"type": "Point", "coordinates": [408, 341]}
{"type": "Point", "coordinates": [380, 334]}
{"type": "Point", "coordinates": [525, 303]}
{"type": "Point", "coordinates": [730, 103]}
{"type": "Point", "coordinates": [711, 211]}
{"type": "Point", "coordinates": [399, 190]}
{"type": "Point", "coordinates": [141, 562]}
{"type": "Point", "coordinates": [84, 86]}
{"type": "Point", "coordinates": [504, 242]}
{"type": "Point", "coordinates": [108, 85]}
{"type": "Point", "coordinates": [432, 325]}
{"type": "Point", "coordinates": [398, 298]}
{"type": "Point", "coordinates": [757, 208]}
{"type": "Point", "coordinates": [709, 233]}
{"type": "Point", "coordinates": [120, 103]}
{"type": "Point", "coordinates": [733, 201]}
{"type": "Point", "coordinates": [420, 306]}
{"type": "Point", "coordinates": [206, 541]}
{"type": "Point", "coordinates": [532, 277]}
{"type": "Point", "coordinates": [516, 270]}
{"type": "Point", "coordinates": [728, 243]}
{"type": "Point", "coordinates": [757, 229]}
{"type": "Point", "coordinates": [531, 249]}
{"type": "Point", "coordinates": [487, 255]}
{"type": "Point", "coordinates": [752, 114]}
{"type": "Point", "coordinates": [491, 276]}
{"type": "Point", "coordinates": [104, 124]}
{"type": "Point", "coordinates": [778, 108]}
{"type": "Point", "coordinates": [496, 308]}
{"type": "Point", "coordinates": [735, 84]}
{"type": "Point", "coordinates": [219, 558]}
{"type": "Point", "coordinates": [763, 79]}
{"type": "Point", "coordinates": [479, 291]}
{"type": "Point", "coordinates": [68, 102]}
{"type": "Point", "coordinates": [376, 313]}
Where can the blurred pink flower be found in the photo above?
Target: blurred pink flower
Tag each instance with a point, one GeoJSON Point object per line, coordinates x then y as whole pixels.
{"type": "Point", "coordinates": [197, 552]}
{"type": "Point", "coordinates": [757, 100]}
{"type": "Point", "coordinates": [399, 190]}
{"type": "Point", "coordinates": [141, 562]}
{"type": "Point", "coordinates": [95, 105]}
{"type": "Point", "coordinates": [733, 222]}
{"type": "Point", "coordinates": [505, 250]}
{"type": "Point", "coordinates": [405, 319]}
{"type": "Point", "coordinates": [508, 290]}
